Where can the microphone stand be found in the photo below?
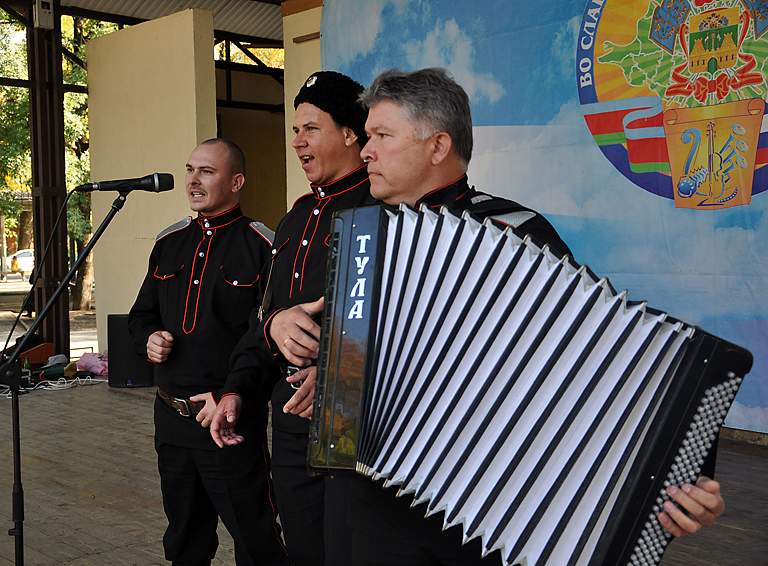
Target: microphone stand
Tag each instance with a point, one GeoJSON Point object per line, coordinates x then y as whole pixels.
{"type": "Point", "coordinates": [10, 375]}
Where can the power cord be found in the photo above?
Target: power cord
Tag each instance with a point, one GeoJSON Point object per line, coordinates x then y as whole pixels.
{"type": "Point", "coordinates": [58, 385]}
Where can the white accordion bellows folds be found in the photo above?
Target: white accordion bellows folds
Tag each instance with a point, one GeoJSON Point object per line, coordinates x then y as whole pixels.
{"type": "Point", "coordinates": [509, 389]}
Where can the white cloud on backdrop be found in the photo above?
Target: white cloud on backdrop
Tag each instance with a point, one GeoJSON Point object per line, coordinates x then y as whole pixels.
{"type": "Point", "coordinates": [446, 45]}
{"type": "Point", "coordinates": [360, 38]}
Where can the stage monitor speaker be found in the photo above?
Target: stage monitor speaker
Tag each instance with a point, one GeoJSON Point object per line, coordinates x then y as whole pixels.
{"type": "Point", "coordinates": [126, 367]}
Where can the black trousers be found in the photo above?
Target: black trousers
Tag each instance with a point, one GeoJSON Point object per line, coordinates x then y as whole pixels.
{"type": "Point", "coordinates": [383, 530]}
{"type": "Point", "coordinates": [312, 508]}
{"type": "Point", "coordinates": [201, 485]}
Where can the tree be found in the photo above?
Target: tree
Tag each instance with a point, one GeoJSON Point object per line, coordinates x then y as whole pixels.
{"type": "Point", "coordinates": [76, 32]}
{"type": "Point", "coordinates": [15, 157]}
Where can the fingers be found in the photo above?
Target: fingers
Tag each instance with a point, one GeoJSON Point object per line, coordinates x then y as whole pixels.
{"type": "Point", "coordinates": [205, 414]}
{"type": "Point", "coordinates": [159, 345]}
{"type": "Point", "coordinates": [670, 525]}
{"type": "Point", "coordinates": [167, 336]}
{"type": "Point", "coordinates": [223, 422]}
{"type": "Point", "coordinates": [692, 507]}
{"type": "Point", "coordinates": [302, 345]}
{"type": "Point", "coordinates": [204, 418]}
{"type": "Point", "coordinates": [296, 334]}
{"type": "Point", "coordinates": [218, 423]}
{"type": "Point", "coordinates": [223, 433]}
{"type": "Point", "coordinates": [696, 512]}
{"type": "Point", "coordinates": [314, 308]}
{"type": "Point", "coordinates": [301, 401]}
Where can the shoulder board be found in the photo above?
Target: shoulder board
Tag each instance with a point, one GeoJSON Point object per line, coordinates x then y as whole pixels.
{"type": "Point", "coordinates": [266, 234]}
{"type": "Point", "coordinates": [481, 197]}
{"type": "Point", "coordinates": [180, 225]}
{"type": "Point", "coordinates": [514, 219]}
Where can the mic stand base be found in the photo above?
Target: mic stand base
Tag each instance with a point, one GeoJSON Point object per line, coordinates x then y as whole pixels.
{"type": "Point", "coordinates": [10, 375]}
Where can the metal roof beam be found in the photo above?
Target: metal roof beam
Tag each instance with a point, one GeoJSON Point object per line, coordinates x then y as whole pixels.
{"type": "Point", "coordinates": [13, 13]}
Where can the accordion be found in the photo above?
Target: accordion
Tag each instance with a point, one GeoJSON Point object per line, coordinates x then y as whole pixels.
{"type": "Point", "coordinates": [510, 389]}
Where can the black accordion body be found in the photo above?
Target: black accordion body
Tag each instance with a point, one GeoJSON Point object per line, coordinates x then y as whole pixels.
{"type": "Point", "coordinates": [510, 389]}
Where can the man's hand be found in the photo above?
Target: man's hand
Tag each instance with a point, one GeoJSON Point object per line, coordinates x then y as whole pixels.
{"type": "Point", "coordinates": [206, 413]}
{"type": "Point", "coordinates": [296, 334]}
{"type": "Point", "coordinates": [703, 504]}
{"type": "Point", "coordinates": [224, 421]}
{"type": "Point", "coordinates": [301, 402]}
{"type": "Point", "coordinates": [159, 346]}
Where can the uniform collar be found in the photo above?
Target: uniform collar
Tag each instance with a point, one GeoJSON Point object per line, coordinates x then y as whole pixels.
{"type": "Point", "coordinates": [342, 184]}
{"type": "Point", "coordinates": [220, 220]}
{"type": "Point", "coordinates": [447, 195]}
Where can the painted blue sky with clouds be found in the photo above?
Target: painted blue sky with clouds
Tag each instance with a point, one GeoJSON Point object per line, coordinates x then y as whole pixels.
{"type": "Point", "coordinates": [517, 62]}
{"type": "Point", "coordinates": [527, 82]}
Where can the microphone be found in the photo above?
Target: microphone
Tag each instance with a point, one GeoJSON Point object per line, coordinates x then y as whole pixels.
{"type": "Point", "coordinates": [154, 182]}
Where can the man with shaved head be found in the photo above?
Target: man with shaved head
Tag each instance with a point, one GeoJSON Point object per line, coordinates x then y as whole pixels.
{"type": "Point", "coordinates": [191, 310]}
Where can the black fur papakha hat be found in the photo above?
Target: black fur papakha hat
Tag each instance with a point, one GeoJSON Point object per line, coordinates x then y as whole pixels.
{"type": "Point", "coordinates": [336, 94]}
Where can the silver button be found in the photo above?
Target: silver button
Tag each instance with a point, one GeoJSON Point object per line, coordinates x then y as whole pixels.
{"type": "Point", "coordinates": [315, 212]}
{"type": "Point", "coordinates": [304, 242]}
{"type": "Point", "coordinates": [196, 282]}
{"type": "Point", "coordinates": [206, 224]}
{"type": "Point", "coordinates": [234, 282]}
{"type": "Point", "coordinates": [209, 232]}
{"type": "Point", "coordinates": [201, 254]}
{"type": "Point", "coordinates": [296, 275]}
{"type": "Point", "coordinates": [274, 252]}
{"type": "Point", "coordinates": [322, 194]}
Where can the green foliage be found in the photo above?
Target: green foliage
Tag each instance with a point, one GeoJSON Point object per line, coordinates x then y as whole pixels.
{"type": "Point", "coordinates": [15, 155]}
{"type": "Point", "coordinates": [15, 166]}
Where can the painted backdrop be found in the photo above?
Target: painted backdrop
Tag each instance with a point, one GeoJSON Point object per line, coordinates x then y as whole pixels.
{"type": "Point", "coordinates": [637, 126]}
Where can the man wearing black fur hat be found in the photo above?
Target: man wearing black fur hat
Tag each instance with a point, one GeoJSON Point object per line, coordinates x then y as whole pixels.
{"type": "Point", "coordinates": [329, 134]}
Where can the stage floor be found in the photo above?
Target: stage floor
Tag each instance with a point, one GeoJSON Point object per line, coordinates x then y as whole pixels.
{"type": "Point", "coordinates": [93, 496]}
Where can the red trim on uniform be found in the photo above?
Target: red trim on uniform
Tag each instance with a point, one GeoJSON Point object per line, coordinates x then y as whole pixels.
{"type": "Point", "coordinates": [327, 240]}
{"type": "Point", "coordinates": [230, 394]}
{"type": "Point", "coordinates": [329, 183]}
{"type": "Point", "coordinates": [272, 506]}
{"type": "Point", "coordinates": [228, 282]}
{"type": "Point", "coordinates": [349, 189]}
{"type": "Point", "coordinates": [219, 214]}
{"type": "Point", "coordinates": [317, 188]}
{"type": "Point", "coordinates": [226, 224]}
{"type": "Point", "coordinates": [309, 245]}
{"type": "Point", "coordinates": [199, 285]}
{"type": "Point", "coordinates": [298, 249]}
{"type": "Point", "coordinates": [156, 275]}
{"type": "Point", "coordinates": [266, 326]}
{"type": "Point", "coordinates": [278, 249]}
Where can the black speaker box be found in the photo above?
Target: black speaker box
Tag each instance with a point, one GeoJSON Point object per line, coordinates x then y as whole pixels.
{"type": "Point", "coordinates": [126, 367]}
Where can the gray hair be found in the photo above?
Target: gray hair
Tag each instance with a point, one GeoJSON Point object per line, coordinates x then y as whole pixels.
{"type": "Point", "coordinates": [433, 100]}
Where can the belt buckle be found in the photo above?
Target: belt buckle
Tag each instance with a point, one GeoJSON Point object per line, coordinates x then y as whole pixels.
{"type": "Point", "coordinates": [289, 371]}
{"type": "Point", "coordinates": [182, 407]}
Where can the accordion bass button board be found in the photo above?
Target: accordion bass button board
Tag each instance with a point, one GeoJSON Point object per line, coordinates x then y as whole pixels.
{"type": "Point", "coordinates": [512, 391]}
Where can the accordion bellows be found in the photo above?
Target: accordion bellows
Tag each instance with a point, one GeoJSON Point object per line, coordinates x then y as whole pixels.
{"type": "Point", "coordinates": [509, 389]}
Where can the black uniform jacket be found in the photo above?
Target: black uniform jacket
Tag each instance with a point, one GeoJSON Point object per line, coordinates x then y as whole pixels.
{"type": "Point", "coordinates": [297, 275]}
{"type": "Point", "coordinates": [202, 283]}
{"type": "Point", "coordinates": [459, 197]}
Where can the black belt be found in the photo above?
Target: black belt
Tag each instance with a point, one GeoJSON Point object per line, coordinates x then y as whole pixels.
{"type": "Point", "coordinates": [184, 407]}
